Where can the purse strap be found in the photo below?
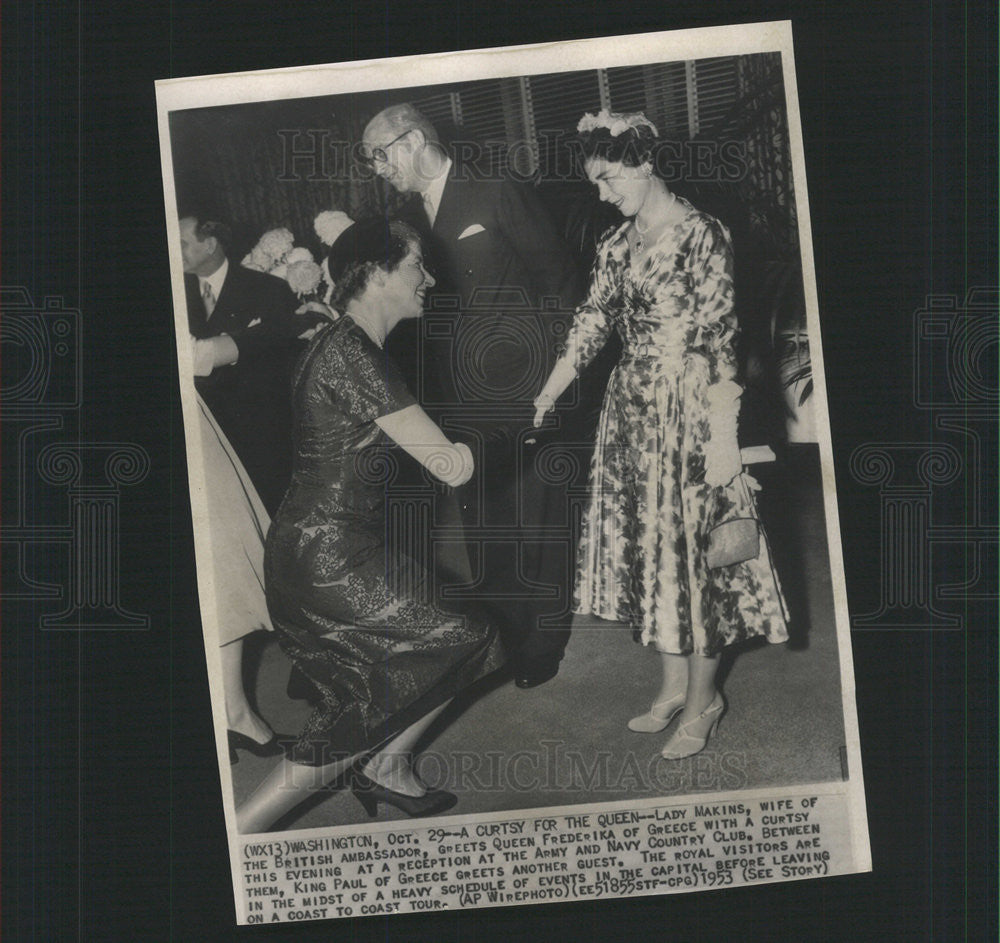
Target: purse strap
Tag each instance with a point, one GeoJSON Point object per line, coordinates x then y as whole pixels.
{"type": "Point", "coordinates": [752, 504]}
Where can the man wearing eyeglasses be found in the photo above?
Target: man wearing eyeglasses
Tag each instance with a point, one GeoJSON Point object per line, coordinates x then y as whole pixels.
{"type": "Point", "coordinates": [506, 285]}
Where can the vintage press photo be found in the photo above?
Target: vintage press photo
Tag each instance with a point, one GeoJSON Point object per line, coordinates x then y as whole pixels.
{"type": "Point", "coordinates": [511, 475]}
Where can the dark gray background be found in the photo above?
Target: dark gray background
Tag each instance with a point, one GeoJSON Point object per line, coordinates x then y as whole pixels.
{"type": "Point", "coordinates": [112, 822]}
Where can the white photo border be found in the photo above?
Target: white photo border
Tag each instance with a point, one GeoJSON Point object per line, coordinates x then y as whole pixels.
{"type": "Point", "coordinates": [847, 828]}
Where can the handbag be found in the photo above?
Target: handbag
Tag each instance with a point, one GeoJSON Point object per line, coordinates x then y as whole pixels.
{"type": "Point", "coordinates": [737, 540]}
{"type": "Point", "coordinates": [732, 542]}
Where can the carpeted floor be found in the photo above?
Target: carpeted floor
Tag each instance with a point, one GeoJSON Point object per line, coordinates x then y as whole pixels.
{"type": "Point", "coordinates": [566, 743]}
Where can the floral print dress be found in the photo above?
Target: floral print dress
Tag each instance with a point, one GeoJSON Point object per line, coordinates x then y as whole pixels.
{"type": "Point", "coordinates": [642, 555]}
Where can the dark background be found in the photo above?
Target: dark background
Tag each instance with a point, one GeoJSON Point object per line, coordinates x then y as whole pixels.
{"type": "Point", "coordinates": [112, 821]}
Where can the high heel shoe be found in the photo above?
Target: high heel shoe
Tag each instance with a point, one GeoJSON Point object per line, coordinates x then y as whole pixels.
{"type": "Point", "coordinates": [690, 738]}
{"type": "Point", "coordinates": [659, 715]}
{"type": "Point", "coordinates": [370, 793]}
{"type": "Point", "coordinates": [240, 741]}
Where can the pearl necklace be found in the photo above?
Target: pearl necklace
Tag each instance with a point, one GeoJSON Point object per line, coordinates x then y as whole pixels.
{"type": "Point", "coordinates": [641, 234]}
{"type": "Point", "coordinates": [376, 337]}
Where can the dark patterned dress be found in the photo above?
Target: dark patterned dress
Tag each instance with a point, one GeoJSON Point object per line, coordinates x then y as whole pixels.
{"type": "Point", "coordinates": [349, 610]}
{"type": "Point", "coordinates": [642, 555]}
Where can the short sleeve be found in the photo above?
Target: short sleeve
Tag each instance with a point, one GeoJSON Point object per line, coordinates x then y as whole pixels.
{"type": "Point", "coordinates": [363, 380]}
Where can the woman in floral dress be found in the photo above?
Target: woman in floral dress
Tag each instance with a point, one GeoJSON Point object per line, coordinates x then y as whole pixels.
{"type": "Point", "coordinates": [666, 469]}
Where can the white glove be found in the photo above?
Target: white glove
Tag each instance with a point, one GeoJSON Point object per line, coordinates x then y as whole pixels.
{"type": "Point", "coordinates": [722, 451]}
{"type": "Point", "coordinates": [211, 352]}
{"type": "Point", "coordinates": [203, 354]}
{"type": "Point", "coordinates": [468, 464]}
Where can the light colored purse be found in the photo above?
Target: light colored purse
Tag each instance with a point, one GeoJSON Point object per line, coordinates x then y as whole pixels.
{"type": "Point", "coordinates": [737, 540]}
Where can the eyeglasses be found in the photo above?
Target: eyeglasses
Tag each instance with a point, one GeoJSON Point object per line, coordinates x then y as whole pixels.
{"type": "Point", "coordinates": [378, 155]}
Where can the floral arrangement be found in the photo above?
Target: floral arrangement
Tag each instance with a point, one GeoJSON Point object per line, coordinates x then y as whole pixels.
{"type": "Point", "coordinates": [304, 277]}
{"type": "Point", "coordinates": [270, 251]}
{"type": "Point", "coordinates": [616, 123]}
{"type": "Point", "coordinates": [276, 254]}
{"type": "Point", "coordinates": [330, 224]}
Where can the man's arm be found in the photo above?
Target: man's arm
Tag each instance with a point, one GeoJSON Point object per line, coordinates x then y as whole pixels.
{"type": "Point", "coordinates": [211, 352]}
{"type": "Point", "coordinates": [274, 320]}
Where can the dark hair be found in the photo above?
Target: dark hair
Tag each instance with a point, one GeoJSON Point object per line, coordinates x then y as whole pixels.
{"type": "Point", "coordinates": [362, 248]}
{"type": "Point", "coordinates": [632, 147]}
{"type": "Point", "coordinates": [205, 226]}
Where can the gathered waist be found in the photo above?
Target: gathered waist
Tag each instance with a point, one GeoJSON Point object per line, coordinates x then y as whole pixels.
{"type": "Point", "coordinates": [665, 355]}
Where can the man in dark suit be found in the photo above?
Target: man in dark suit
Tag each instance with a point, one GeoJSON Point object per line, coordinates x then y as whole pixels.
{"type": "Point", "coordinates": [245, 338]}
{"type": "Point", "coordinates": [506, 286]}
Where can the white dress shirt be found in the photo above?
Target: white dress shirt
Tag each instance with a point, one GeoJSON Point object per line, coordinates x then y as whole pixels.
{"type": "Point", "coordinates": [215, 281]}
{"type": "Point", "coordinates": [435, 191]}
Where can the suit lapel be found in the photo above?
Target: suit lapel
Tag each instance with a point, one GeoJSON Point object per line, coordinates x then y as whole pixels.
{"type": "Point", "coordinates": [440, 238]}
{"type": "Point", "coordinates": [226, 301]}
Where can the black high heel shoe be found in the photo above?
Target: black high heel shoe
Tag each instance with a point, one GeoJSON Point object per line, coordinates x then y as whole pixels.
{"type": "Point", "coordinates": [370, 793]}
{"type": "Point", "coordinates": [240, 741]}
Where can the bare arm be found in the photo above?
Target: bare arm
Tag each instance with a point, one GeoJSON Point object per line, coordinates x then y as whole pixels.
{"type": "Point", "coordinates": [587, 335]}
{"type": "Point", "coordinates": [417, 434]}
{"type": "Point", "coordinates": [562, 375]}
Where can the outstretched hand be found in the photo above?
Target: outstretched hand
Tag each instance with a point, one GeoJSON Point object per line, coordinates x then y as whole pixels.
{"type": "Point", "coordinates": [543, 404]}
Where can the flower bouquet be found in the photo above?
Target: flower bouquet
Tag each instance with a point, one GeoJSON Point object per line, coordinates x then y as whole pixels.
{"type": "Point", "coordinates": [276, 254]}
{"type": "Point", "coordinates": [329, 225]}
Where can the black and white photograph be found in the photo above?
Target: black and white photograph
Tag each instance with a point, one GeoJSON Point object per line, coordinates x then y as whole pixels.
{"type": "Point", "coordinates": [482, 471]}
{"type": "Point", "coordinates": [507, 441]}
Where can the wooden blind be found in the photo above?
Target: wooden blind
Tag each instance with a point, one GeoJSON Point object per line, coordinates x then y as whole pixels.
{"type": "Point", "coordinates": [715, 90]}
{"type": "Point", "coordinates": [683, 100]}
{"type": "Point", "coordinates": [659, 91]}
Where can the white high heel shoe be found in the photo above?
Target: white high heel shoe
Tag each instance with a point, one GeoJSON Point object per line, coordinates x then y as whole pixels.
{"type": "Point", "coordinates": [690, 738]}
{"type": "Point", "coordinates": [659, 715]}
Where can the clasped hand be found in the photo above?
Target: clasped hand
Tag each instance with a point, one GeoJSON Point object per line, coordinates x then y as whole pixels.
{"type": "Point", "coordinates": [315, 307]}
{"type": "Point", "coordinates": [211, 352]}
{"type": "Point", "coordinates": [468, 465]}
